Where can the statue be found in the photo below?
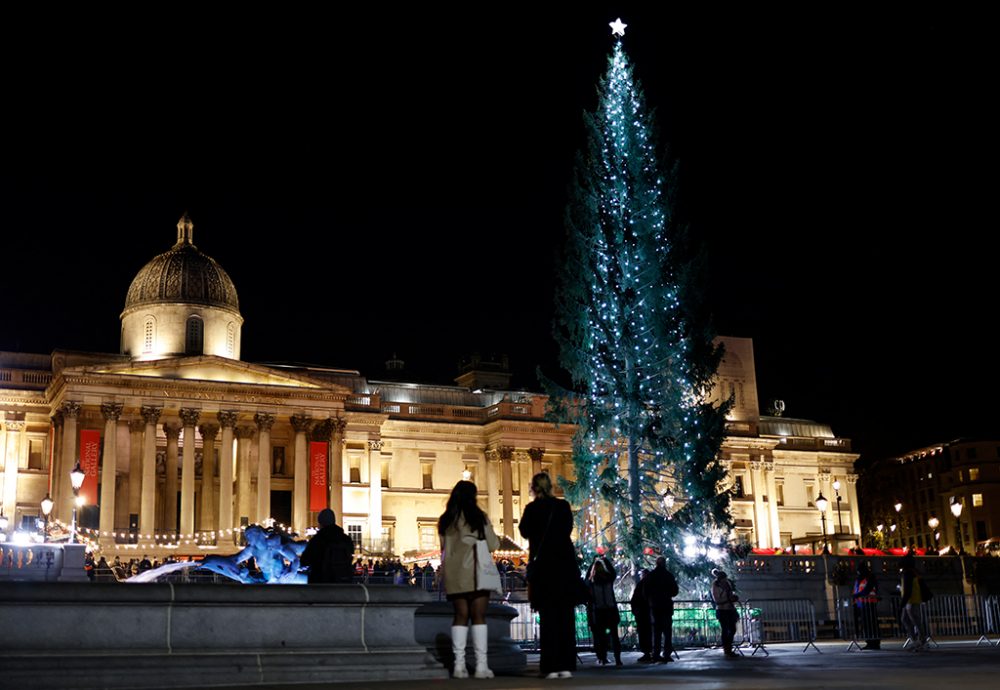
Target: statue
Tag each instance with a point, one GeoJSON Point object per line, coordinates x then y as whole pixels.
{"type": "Point", "coordinates": [276, 556]}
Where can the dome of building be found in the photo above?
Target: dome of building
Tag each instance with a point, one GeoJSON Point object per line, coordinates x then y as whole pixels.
{"type": "Point", "coordinates": [183, 274]}
{"type": "Point", "coordinates": [182, 303]}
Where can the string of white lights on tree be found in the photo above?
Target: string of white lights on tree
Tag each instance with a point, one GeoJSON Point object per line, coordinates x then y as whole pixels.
{"type": "Point", "coordinates": [634, 340]}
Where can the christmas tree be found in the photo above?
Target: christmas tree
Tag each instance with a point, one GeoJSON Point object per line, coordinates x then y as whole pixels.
{"type": "Point", "coordinates": [635, 343]}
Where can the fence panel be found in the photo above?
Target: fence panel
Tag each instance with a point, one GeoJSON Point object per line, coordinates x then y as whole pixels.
{"type": "Point", "coordinates": [946, 615]}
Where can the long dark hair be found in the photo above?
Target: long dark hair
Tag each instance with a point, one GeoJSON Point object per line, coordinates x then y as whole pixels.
{"type": "Point", "coordinates": [463, 502]}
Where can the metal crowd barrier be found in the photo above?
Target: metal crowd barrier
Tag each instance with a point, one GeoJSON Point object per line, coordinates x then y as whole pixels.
{"type": "Point", "coordinates": [761, 622]}
{"type": "Point", "coordinates": [946, 615]}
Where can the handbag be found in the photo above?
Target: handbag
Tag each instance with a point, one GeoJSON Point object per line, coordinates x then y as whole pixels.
{"type": "Point", "coordinates": [487, 575]}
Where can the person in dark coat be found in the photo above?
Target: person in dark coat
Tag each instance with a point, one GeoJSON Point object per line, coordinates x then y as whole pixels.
{"type": "Point", "coordinates": [866, 606]}
{"type": "Point", "coordinates": [603, 610]}
{"type": "Point", "coordinates": [643, 621]}
{"type": "Point", "coordinates": [660, 588]}
{"type": "Point", "coordinates": [329, 553]}
{"type": "Point", "coordinates": [547, 523]}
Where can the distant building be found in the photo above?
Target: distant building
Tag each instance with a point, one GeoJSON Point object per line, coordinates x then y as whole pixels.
{"type": "Point", "coordinates": [929, 483]}
{"type": "Point", "coordinates": [183, 443]}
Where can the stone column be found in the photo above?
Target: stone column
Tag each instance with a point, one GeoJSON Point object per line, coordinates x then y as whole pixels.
{"type": "Point", "coordinates": [772, 503]}
{"type": "Point", "coordinates": [64, 509]}
{"type": "Point", "coordinates": [852, 497]}
{"type": "Point", "coordinates": [135, 428]}
{"type": "Point", "coordinates": [536, 455]}
{"type": "Point", "coordinates": [264, 423]}
{"type": "Point", "coordinates": [54, 487]}
{"type": "Point", "coordinates": [506, 476]}
{"type": "Point", "coordinates": [339, 427]}
{"type": "Point", "coordinates": [490, 468]}
{"type": "Point", "coordinates": [208, 434]}
{"type": "Point", "coordinates": [227, 420]}
{"type": "Point", "coordinates": [300, 492]}
{"type": "Point", "coordinates": [243, 504]}
{"type": "Point", "coordinates": [109, 471]}
{"type": "Point", "coordinates": [10, 450]}
{"type": "Point", "coordinates": [147, 510]}
{"type": "Point", "coordinates": [189, 416]}
{"type": "Point", "coordinates": [761, 531]}
{"type": "Point", "coordinates": [375, 490]}
{"type": "Point", "coordinates": [173, 432]}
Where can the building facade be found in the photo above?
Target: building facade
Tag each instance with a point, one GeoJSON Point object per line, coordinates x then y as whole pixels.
{"type": "Point", "coordinates": [183, 443]}
{"type": "Point", "coordinates": [947, 494]}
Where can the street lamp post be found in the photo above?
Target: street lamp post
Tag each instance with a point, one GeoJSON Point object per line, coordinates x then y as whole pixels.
{"type": "Point", "coordinates": [840, 520]}
{"type": "Point", "coordinates": [47, 504]}
{"type": "Point", "coordinates": [898, 506]}
{"type": "Point", "coordinates": [3, 525]}
{"type": "Point", "coordinates": [956, 510]}
{"type": "Point", "coordinates": [821, 504]}
{"type": "Point", "coordinates": [76, 477]}
{"type": "Point", "coordinates": [933, 523]}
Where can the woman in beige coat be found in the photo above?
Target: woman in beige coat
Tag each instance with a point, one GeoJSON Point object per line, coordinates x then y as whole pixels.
{"type": "Point", "coordinates": [460, 527]}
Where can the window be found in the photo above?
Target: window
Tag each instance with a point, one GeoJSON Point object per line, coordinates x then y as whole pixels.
{"type": "Point", "coordinates": [470, 472]}
{"type": "Point", "coordinates": [738, 489]}
{"type": "Point", "coordinates": [779, 490]}
{"type": "Point", "coordinates": [429, 538]}
{"type": "Point", "coordinates": [971, 453]}
{"type": "Point", "coordinates": [148, 334]}
{"type": "Point", "coordinates": [961, 475]}
{"type": "Point", "coordinates": [977, 500]}
{"type": "Point", "coordinates": [354, 532]}
{"type": "Point", "coordinates": [36, 453]}
{"type": "Point", "coordinates": [278, 460]}
{"type": "Point", "coordinates": [810, 494]}
{"type": "Point", "coordinates": [231, 339]}
{"type": "Point", "coordinates": [355, 470]}
{"type": "Point", "coordinates": [981, 534]}
{"type": "Point", "coordinates": [427, 471]}
{"type": "Point", "coordinates": [194, 342]}
{"type": "Point", "coordinates": [973, 474]}
{"type": "Point", "coordinates": [786, 539]}
{"type": "Point", "coordinates": [385, 474]}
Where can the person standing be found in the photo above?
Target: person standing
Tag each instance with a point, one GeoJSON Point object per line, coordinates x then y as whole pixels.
{"type": "Point", "coordinates": [604, 616]}
{"type": "Point", "coordinates": [330, 552]}
{"type": "Point", "coordinates": [865, 597]}
{"type": "Point", "coordinates": [643, 621]}
{"type": "Point", "coordinates": [462, 524]}
{"type": "Point", "coordinates": [547, 523]}
{"type": "Point", "coordinates": [725, 599]}
{"type": "Point", "coordinates": [913, 594]}
{"type": "Point", "coordinates": [660, 589]}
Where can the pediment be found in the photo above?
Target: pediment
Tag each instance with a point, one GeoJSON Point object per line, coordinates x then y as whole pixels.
{"type": "Point", "coordinates": [206, 368]}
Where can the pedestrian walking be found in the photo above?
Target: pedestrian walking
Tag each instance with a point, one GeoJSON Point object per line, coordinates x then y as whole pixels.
{"type": "Point", "coordinates": [913, 593]}
{"type": "Point", "coordinates": [865, 597]}
{"type": "Point", "coordinates": [660, 588]}
{"type": "Point", "coordinates": [603, 610]}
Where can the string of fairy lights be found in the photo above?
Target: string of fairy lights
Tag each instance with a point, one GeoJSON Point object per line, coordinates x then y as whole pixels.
{"type": "Point", "coordinates": [92, 537]}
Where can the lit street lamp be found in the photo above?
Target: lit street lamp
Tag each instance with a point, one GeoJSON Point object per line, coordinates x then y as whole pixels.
{"type": "Point", "coordinates": [76, 478]}
{"type": "Point", "coordinates": [47, 504]}
{"type": "Point", "coordinates": [898, 506]}
{"type": "Point", "coordinates": [956, 510]}
{"type": "Point", "coordinates": [840, 520]}
{"type": "Point", "coordinates": [821, 504]}
{"type": "Point", "coordinates": [933, 523]}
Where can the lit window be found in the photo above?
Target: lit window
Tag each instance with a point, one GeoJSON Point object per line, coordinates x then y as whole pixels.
{"type": "Point", "coordinates": [973, 474]}
{"type": "Point", "coordinates": [355, 470]}
{"type": "Point", "coordinates": [470, 473]}
{"type": "Point", "coordinates": [977, 500]}
{"type": "Point", "coordinates": [354, 532]}
{"type": "Point", "coordinates": [429, 538]}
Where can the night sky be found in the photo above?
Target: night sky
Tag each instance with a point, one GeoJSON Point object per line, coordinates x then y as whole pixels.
{"type": "Point", "coordinates": [379, 182]}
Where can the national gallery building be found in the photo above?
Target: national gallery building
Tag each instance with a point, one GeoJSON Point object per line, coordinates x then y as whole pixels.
{"type": "Point", "coordinates": [182, 443]}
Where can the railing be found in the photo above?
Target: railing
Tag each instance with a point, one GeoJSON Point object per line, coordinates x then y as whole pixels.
{"type": "Point", "coordinates": [948, 615]}
{"type": "Point", "coordinates": [25, 377]}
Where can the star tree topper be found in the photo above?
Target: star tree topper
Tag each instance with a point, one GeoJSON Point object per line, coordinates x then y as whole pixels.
{"type": "Point", "coordinates": [617, 27]}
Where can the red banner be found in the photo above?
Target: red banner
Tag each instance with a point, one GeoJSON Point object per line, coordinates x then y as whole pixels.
{"type": "Point", "coordinates": [90, 461]}
{"type": "Point", "coordinates": [318, 498]}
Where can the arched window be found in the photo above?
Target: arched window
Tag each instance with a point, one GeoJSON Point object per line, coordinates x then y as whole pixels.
{"type": "Point", "coordinates": [231, 339]}
{"type": "Point", "coordinates": [194, 343]}
{"type": "Point", "coordinates": [149, 334]}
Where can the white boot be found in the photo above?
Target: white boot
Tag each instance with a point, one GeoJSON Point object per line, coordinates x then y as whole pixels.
{"type": "Point", "coordinates": [481, 643]}
{"type": "Point", "coordinates": [459, 636]}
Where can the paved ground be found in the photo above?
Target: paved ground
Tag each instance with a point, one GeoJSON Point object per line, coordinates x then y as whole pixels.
{"type": "Point", "coordinates": [951, 666]}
